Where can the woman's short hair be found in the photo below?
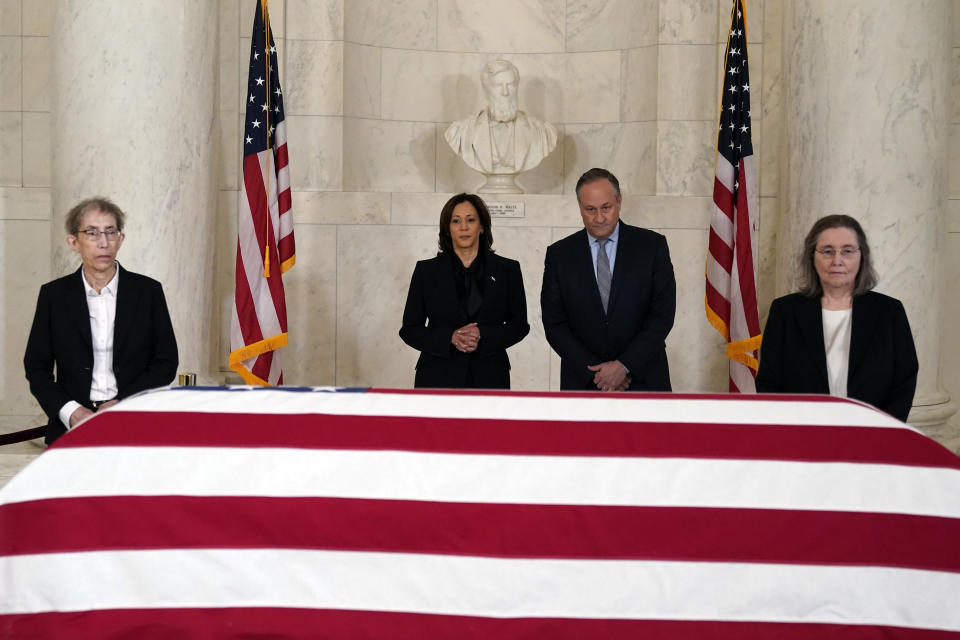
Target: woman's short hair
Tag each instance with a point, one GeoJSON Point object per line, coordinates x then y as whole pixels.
{"type": "Point", "coordinates": [809, 280]}
{"type": "Point", "coordinates": [98, 203]}
{"type": "Point", "coordinates": [445, 242]}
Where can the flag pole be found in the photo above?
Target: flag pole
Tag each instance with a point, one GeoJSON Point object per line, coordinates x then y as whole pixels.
{"type": "Point", "coordinates": [258, 325]}
{"type": "Point", "coordinates": [730, 299]}
{"type": "Point", "coordinates": [266, 51]}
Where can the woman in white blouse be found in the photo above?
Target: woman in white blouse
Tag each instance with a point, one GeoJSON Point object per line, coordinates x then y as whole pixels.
{"type": "Point", "coordinates": [835, 335]}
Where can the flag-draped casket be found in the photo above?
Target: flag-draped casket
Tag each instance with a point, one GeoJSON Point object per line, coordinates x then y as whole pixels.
{"type": "Point", "coordinates": [217, 513]}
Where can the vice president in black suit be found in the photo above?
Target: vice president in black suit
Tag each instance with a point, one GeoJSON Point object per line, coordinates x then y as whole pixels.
{"type": "Point", "coordinates": [835, 335]}
{"type": "Point", "coordinates": [608, 297]}
{"type": "Point", "coordinates": [466, 305]}
{"type": "Point", "coordinates": [101, 333]}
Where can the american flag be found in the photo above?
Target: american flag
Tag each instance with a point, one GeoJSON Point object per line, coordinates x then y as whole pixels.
{"type": "Point", "coordinates": [731, 292]}
{"type": "Point", "coordinates": [265, 243]}
{"type": "Point", "coordinates": [292, 513]}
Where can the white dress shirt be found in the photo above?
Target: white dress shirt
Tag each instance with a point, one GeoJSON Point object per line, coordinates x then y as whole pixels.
{"type": "Point", "coordinates": [610, 247]}
{"type": "Point", "coordinates": [103, 312]}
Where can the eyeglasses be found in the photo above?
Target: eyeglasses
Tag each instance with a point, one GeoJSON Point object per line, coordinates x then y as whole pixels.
{"type": "Point", "coordinates": [846, 252]}
{"type": "Point", "coordinates": [94, 234]}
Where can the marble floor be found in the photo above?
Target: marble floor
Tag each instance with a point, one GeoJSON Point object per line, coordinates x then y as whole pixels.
{"type": "Point", "coordinates": [14, 457]}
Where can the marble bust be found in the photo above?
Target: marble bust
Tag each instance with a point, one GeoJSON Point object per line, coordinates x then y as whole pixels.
{"type": "Point", "coordinates": [501, 141]}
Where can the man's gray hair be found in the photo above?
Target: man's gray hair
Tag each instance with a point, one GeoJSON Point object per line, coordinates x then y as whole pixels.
{"type": "Point", "coordinates": [98, 203]}
{"type": "Point", "coordinates": [494, 67]}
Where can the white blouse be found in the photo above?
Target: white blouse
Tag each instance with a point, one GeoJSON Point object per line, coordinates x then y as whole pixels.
{"type": "Point", "coordinates": [836, 343]}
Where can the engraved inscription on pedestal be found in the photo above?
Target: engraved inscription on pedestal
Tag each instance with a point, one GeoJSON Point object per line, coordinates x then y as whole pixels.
{"type": "Point", "coordinates": [506, 209]}
{"type": "Point", "coordinates": [501, 141]}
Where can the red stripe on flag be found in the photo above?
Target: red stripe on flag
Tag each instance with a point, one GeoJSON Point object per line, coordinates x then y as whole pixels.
{"type": "Point", "coordinates": [282, 159]}
{"type": "Point", "coordinates": [484, 530]}
{"type": "Point", "coordinates": [314, 624]}
{"type": "Point", "coordinates": [748, 288]}
{"type": "Point", "coordinates": [723, 198]}
{"type": "Point", "coordinates": [261, 366]}
{"type": "Point", "coordinates": [515, 437]}
{"type": "Point", "coordinates": [720, 251]}
{"type": "Point", "coordinates": [245, 306]}
{"type": "Point", "coordinates": [719, 304]}
{"type": "Point", "coordinates": [284, 201]}
{"type": "Point", "coordinates": [286, 248]}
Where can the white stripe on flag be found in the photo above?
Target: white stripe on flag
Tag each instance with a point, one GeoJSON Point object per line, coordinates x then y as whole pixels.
{"type": "Point", "coordinates": [475, 586]}
{"type": "Point", "coordinates": [520, 407]}
{"type": "Point", "coordinates": [742, 376]}
{"type": "Point", "coordinates": [725, 172]}
{"type": "Point", "coordinates": [280, 134]}
{"type": "Point", "coordinates": [475, 478]}
{"type": "Point", "coordinates": [717, 276]}
{"type": "Point", "coordinates": [722, 225]}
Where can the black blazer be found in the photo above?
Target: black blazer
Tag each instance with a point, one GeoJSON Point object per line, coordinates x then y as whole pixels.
{"type": "Point", "coordinates": [640, 314]}
{"type": "Point", "coordinates": [883, 361]}
{"type": "Point", "coordinates": [144, 347]}
{"type": "Point", "coordinates": [432, 313]}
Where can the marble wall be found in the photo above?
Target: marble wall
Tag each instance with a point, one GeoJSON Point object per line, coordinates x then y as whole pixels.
{"type": "Point", "coordinates": [370, 87]}
{"type": "Point", "coordinates": [25, 194]}
{"type": "Point", "coordinates": [949, 247]}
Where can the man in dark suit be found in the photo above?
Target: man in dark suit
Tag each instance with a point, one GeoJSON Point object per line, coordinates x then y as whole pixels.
{"type": "Point", "coordinates": [104, 330]}
{"type": "Point", "coordinates": [608, 297]}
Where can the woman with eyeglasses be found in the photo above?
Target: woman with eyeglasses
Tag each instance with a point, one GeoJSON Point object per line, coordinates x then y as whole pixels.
{"type": "Point", "coordinates": [101, 333]}
{"type": "Point", "coordinates": [835, 335]}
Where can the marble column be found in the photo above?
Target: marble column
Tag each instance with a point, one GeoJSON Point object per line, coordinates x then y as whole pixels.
{"type": "Point", "coordinates": [867, 92]}
{"type": "Point", "coordinates": [134, 97]}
